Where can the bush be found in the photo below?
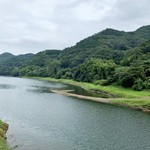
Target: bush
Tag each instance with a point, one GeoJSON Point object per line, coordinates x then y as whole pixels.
{"type": "Point", "coordinates": [147, 83]}
{"type": "Point", "coordinates": [138, 85]}
{"type": "Point", "coordinates": [126, 80]}
{"type": "Point", "coordinates": [104, 83]}
{"type": "Point", "coordinates": [64, 73]}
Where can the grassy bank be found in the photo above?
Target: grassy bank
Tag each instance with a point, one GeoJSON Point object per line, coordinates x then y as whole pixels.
{"type": "Point", "coordinates": [3, 130]}
{"type": "Point", "coordinates": [141, 104]}
{"type": "Point", "coordinates": [126, 97]}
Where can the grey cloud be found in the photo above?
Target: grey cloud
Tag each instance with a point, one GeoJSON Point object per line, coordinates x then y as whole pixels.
{"type": "Point", "coordinates": [35, 25]}
{"type": "Point", "coordinates": [132, 10]}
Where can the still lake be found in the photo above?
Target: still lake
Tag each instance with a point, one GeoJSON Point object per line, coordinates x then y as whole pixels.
{"type": "Point", "coordinates": [41, 120]}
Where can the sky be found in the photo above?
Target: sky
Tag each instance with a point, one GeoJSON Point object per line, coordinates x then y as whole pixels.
{"type": "Point", "coordinates": [30, 26]}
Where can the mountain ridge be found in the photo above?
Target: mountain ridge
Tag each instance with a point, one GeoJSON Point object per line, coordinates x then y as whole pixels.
{"type": "Point", "coordinates": [107, 31]}
{"type": "Point", "coordinates": [116, 56]}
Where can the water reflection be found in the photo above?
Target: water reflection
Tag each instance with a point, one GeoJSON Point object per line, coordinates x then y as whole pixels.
{"type": "Point", "coordinates": [39, 89]}
{"type": "Point", "coordinates": [82, 91]}
{"type": "Point", "coordinates": [7, 86]}
{"type": "Point", "coordinates": [40, 120]}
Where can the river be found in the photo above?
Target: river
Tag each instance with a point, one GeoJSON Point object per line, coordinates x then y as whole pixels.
{"type": "Point", "coordinates": [41, 120]}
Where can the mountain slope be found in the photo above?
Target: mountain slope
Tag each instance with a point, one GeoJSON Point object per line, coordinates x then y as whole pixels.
{"type": "Point", "coordinates": [40, 58]}
{"type": "Point", "coordinates": [9, 62]}
{"type": "Point", "coordinates": [5, 56]}
{"type": "Point", "coordinates": [108, 44]}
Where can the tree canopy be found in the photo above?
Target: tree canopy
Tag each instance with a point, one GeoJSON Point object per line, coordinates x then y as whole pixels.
{"type": "Point", "coordinates": [118, 57]}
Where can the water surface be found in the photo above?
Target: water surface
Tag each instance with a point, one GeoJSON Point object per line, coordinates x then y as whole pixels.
{"type": "Point", "coordinates": [41, 120]}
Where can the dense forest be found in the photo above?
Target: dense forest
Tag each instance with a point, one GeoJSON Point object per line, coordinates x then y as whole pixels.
{"type": "Point", "coordinates": [108, 57]}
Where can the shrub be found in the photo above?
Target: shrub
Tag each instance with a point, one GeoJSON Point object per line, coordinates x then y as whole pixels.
{"type": "Point", "coordinates": [138, 85]}
{"type": "Point", "coordinates": [126, 80]}
{"type": "Point", "coordinates": [147, 83]}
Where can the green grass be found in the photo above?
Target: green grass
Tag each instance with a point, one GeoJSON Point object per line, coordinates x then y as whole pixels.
{"type": "Point", "coordinates": [126, 96]}
{"type": "Point", "coordinates": [1, 123]}
{"type": "Point", "coordinates": [116, 90]}
{"type": "Point", "coordinates": [120, 91]}
{"type": "Point", "coordinates": [145, 103]}
{"type": "Point", "coordinates": [3, 144]}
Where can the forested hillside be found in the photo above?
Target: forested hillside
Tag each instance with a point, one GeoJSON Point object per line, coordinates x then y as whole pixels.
{"type": "Point", "coordinates": [108, 44]}
{"type": "Point", "coordinates": [108, 57]}
{"type": "Point", "coordinates": [10, 64]}
{"type": "Point", "coordinates": [5, 56]}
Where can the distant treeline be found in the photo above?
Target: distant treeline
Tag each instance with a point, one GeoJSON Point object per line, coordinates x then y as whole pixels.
{"type": "Point", "coordinates": [108, 57]}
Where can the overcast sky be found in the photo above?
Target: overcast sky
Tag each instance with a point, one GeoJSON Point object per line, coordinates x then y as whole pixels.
{"type": "Point", "coordinates": [30, 26]}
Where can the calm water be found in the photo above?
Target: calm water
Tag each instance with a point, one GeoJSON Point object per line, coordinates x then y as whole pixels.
{"type": "Point", "coordinates": [41, 120]}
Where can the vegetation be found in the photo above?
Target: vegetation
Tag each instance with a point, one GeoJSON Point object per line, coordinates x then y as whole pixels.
{"type": "Point", "coordinates": [3, 129]}
{"type": "Point", "coordinates": [114, 57]}
{"type": "Point", "coordinates": [111, 61]}
{"type": "Point", "coordinates": [126, 96]}
{"type": "Point", "coordinates": [138, 103]}
{"type": "Point", "coordinates": [112, 89]}
{"type": "Point", "coordinates": [94, 69]}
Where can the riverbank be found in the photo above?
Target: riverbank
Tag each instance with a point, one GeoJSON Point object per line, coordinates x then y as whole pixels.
{"type": "Point", "coordinates": [3, 130]}
{"type": "Point", "coordinates": [66, 93]}
{"type": "Point", "coordinates": [139, 100]}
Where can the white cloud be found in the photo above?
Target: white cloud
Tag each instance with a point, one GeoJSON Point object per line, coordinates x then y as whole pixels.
{"type": "Point", "coordinates": [93, 10]}
{"type": "Point", "coordinates": [35, 25]}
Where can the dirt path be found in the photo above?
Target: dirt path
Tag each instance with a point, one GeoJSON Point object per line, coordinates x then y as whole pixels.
{"type": "Point", "coordinates": [66, 93]}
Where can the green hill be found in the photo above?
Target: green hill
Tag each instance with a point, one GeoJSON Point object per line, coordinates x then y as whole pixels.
{"type": "Point", "coordinates": [108, 44]}
{"type": "Point", "coordinates": [5, 56]}
{"type": "Point", "coordinates": [9, 62]}
{"type": "Point", "coordinates": [115, 56]}
{"type": "Point", "coordinates": [42, 57]}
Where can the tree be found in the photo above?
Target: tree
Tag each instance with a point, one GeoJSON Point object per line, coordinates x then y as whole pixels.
{"type": "Point", "coordinates": [138, 85]}
{"type": "Point", "coordinates": [94, 69]}
{"type": "Point", "coordinates": [53, 65]}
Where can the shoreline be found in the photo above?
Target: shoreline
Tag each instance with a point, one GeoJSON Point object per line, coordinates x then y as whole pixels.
{"type": "Point", "coordinates": [100, 100]}
{"type": "Point", "coordinates": [138, 100]}
{"type": "Point", "coordinates": [3, 130]}
{"type": "Point", "coordinates": [97, 99]}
